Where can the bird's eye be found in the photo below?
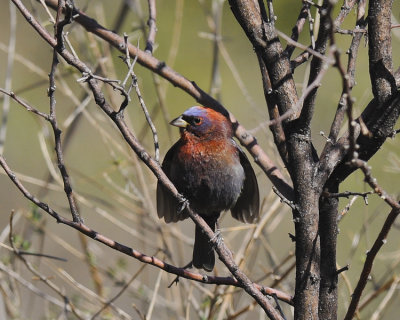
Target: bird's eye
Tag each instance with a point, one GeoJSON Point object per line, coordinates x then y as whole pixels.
{"type": "Point", "coordinates": [196, 120]}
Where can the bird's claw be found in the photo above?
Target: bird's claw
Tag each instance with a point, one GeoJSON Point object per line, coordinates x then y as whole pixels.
{"type": "Point", "coordinates": [183, 204]}
{"type": "Point", "coordinates": [217, 238]}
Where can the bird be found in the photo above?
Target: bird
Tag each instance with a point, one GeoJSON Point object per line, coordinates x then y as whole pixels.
{"type": "Point", "coordinates": [212, 172]}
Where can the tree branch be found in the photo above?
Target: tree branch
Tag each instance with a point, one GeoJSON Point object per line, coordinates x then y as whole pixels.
{"type": "Point", "coordinates": [380, 50]}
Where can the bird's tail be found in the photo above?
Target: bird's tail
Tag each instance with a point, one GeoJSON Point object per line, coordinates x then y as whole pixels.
{"type": "Point", "coordinates": [203, 252]}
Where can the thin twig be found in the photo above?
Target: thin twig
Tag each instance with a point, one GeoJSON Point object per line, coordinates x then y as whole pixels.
{"type": "Point", "coordinates": [379, 241]}
{"type": "Point", "coordinates": [344, 11]}
{"type": "Point", "coordinates": [290, 203]}
{"type": "Point", "coordinates": [366, 169]}
{"type": "Point", "coordinates": [154, 297]}
{"type": "Point", "coordinates": [215, 85]}
{"type": "Point", "coordinates": [374, 294]}
{"type": "Point", "coordinates": [120, 292]}
{"type": "Point", "coordinates": [8, 75]}
{"type": "Point", "coordinates": [151, 22]}
{"type": "Point", "coordinates": [58, 30]}
{"type": "Point", "coordinates": [91, 295]}
{"type": "Point", "coordinates": [296, 30]}
{"type": "Point", "coordinates": [39, 292]}
{"type": "Point", "coordinates": [141, 100]}
{"type": "Point", "coordinates": [346, 194]}
{"type": "Point", "coordinates": [42, 278]}
{"type": "Point", "coordinates": [27, 106]}
{"type": "Point", "coordinates": [309, 50]}
{"type": "Point", "coordinates": [278, 306]}
{"type": "Point", "coordinates": [378, 314]}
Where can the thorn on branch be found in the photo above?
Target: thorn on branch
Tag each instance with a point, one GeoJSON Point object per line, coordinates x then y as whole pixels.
{"type": "Point", "coordinates": [291, 204]}
{"type": "Point", "coordinates": [329, 140]}
{"type": "Point", "coordinates": [339, 271]}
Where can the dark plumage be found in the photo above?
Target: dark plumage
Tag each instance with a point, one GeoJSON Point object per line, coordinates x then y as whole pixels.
{"type": "Point", "coordinates": [212, 172]}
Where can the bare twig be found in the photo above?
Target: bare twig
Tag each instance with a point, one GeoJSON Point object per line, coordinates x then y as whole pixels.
{"type": "Point", "coordinates": [215, 85]}
{"type": "Point", "coordinates": [366, 169]}
{"type": "Point", "coordinates": [90, 295]}
{"type": "Point", "coordinates": [311, 51]}
{"type": "Point", "coordinates": [42, 278]}
{"type": "Point", "coordinates": [135, 84]}
{"type": "Point", "coordinates": [8, 74]}
{"type": "Point", "coordinates": [34, 289]}
{"type": "Point", "coordinates": [151, 22]}
{"type": "Point", "coordinates": [58, 30]}
{"type": "Point", "coordinates": [383, 305]}
{"type": "Point", "coordinates": [296, 30]}
{"type": "Point", "coordinates": [374, 294]}
{"type": "Point", "coordinates": [120, 292]}
{"type": "Point", "coordinates": [27, 106]}
{"type": "Point", "coordinates": [346, 194]}
{"type": "Point", "coordinates": [380, 240]}
{"type": "Point", "coordinates": [344, 11]}
{"type": "Point", "coordinates": [153, 299]}
{"type": "Point", "coordinates": [343, 269]}
{"type": "Point", "coordinates": [290, 203]}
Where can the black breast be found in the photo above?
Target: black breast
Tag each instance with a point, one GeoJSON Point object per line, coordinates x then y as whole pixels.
{"type": "Point", "coordinates": [209, 185]}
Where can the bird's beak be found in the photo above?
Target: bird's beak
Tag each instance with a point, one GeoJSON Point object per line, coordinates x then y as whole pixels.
{"type": "Point", "coordinates": [179, 122]}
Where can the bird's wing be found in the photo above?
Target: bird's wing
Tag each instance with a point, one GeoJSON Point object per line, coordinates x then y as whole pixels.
{"type": "Point", "coordinates": [247, 208]}
{"type": "Point", "coordinates": [167, 205]}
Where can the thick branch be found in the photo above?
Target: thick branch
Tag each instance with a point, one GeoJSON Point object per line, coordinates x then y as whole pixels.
{"type": "Point", "coordinates": [373, 128]}
{"type": "Point", "coordinates": [380, 50]}
{"type": "Point", "coordinates": [263, 36]}
{"type": "Point", "coordinates": [301, 157]}
{"type": "Point", "coordinates": [328, 230]}
{"type": "Point", "coordinates": [316, 64]}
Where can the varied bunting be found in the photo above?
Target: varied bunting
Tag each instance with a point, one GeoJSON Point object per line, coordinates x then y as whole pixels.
{"type": "Point", "coordinates": [212, 172]}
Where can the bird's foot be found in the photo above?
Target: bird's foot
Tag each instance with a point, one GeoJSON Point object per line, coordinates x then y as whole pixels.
{"type": "Point", "coordinates": [217, 239]}
{"type": "Point", "coordinates": [176, 280]}
{"type": "Point", "coordinates": [183, 204]}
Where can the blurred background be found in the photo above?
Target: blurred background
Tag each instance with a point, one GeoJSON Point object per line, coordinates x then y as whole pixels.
{"type": "Point", "coordinates": [116, 192]}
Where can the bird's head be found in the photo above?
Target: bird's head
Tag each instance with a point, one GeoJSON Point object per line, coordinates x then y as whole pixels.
{"type": "Point", "coordinates": [203, 123]}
